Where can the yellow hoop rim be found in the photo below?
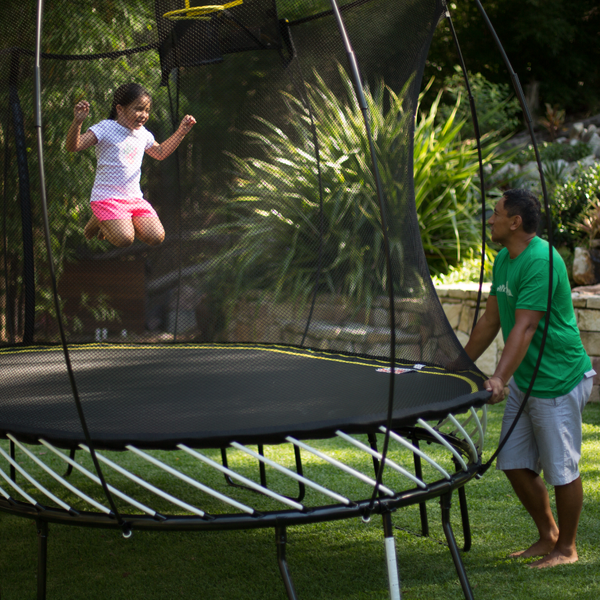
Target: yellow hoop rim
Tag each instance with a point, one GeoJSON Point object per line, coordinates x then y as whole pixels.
{"type": "Point", "coordinates": [199, 12]}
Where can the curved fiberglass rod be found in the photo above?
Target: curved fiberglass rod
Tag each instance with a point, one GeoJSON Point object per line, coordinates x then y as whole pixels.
{"type": "Point", "coordinates": [360, 96]}
{"type": "Point", "coordinates": [43, 198]}
{"type": "Point", "coordinates": [521, 96]}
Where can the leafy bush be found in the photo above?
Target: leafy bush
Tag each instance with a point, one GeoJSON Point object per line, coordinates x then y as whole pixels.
{"type": "Point", "coordinates": [497, 109]}
{"type": "Point", "coordinates": [571, 204]}
{"type": "Point", "coordinates": [551, 151]}
{"type": "Point", "coordinates": [276, 218]}
{"type": "Point", "coordinates": [469, 270]}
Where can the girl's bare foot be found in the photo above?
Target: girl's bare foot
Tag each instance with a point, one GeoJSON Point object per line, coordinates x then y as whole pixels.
{"type": "Point", "coordinates": [92, 228]}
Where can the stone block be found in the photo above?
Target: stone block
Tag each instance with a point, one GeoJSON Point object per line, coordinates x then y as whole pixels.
{"type": "Point", "coordinates": [580, 302]}
{"type": "Point", "coordinates": [453, 312]}
{"type": "Point", "coordinates": [380, 350]}
{"type": "Point", "coordinates": [593, 302]}
{"type": "Point", "coordinates": [596, 366]}
{"type": "Point", "coordinates": [595, 395]}
{"type": "Point", "coordinates": [463, 338]}
{"type": "Point", "coordinates": [380, 317]}
{"type": "Point", "coordinates": [588, 320]}
{"type": "Point", "coordinates": [466, 319]}
{"type": "Point", "coordinates": [591, 342]}
{"type": "Point", "coordinates": [458, 293]}
{"type": "Point", "coordinates": [488, 360]}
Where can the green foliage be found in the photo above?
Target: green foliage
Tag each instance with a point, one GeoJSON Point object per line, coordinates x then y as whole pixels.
{"type": "Point", "coordinates": [552, 151]}
{"type": "Point", "coordinates": [571, 203]}
{"type": "Point", "coordinates": [553, 43]}
{"type": "Point", "coordinates": [274, 206]}
{"type": "Point", "coordinates": [69, 176]}
{"type": "Point", "coordinates": [497, 109]}
{"type": "Point", "coordinates": [469, 269]}
{"type": "Point", "coordinates": [446, 185]}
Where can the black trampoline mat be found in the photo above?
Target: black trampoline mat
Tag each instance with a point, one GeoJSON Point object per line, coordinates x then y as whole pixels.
{"type": "Point", "coordinates": [210, 395]}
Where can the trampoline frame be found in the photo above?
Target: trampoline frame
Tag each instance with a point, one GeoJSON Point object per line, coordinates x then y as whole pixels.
{"type": "Point", "coordinates": [278, 520]}
{"type": "Point", "coordinates": [449, 433]}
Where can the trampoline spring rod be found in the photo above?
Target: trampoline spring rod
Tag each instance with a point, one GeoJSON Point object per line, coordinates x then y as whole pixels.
{"type": "Point", "coordinates": [190, 480]}
{"type": "Point", "coordinates": [444, 443]}
{"type": "Point", "coordinates": [35, 483]}
{"type": "Point", "coordinates": [340, 465]}
{"type": "Point", "coordinates": [58, 478]}
{"type": "Point", "coordinates": [417, 451]}
{"type": "Point", "coordinates": [293, 475]}
{"type": "Point", "coordinates": [17, 488]}
{"type": "Point", "coordinates": [244, 480]}
{"type": "Point", "coordinates": [3, 493]}
{"type": "Point", "coordinates": [146, 485]}
{"type": "Point", "coordinates": [481, 427]}
{"type": "Point", "coordinates": [473, 450]}
{"type": "Point", "coordinates": [96, 479]}
{"type": "Point", "coordinates": [388, 462]}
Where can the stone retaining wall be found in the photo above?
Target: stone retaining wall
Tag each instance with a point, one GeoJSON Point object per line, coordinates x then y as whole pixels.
{"type": "Point", "coordinates": [459, 303]}
{"type": "Point", "coordinates": [259, 320]}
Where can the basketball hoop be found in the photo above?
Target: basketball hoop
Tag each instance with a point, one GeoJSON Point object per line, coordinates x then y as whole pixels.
{"type": "Point", "coordinates": [199, 12]}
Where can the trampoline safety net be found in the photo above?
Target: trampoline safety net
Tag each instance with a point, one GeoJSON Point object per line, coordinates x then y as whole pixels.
{"type": "Point", "coordinates": [272, 306]}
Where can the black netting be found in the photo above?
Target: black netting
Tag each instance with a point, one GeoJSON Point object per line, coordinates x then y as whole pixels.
{"type": "Point", "coordinates": [274, 234]}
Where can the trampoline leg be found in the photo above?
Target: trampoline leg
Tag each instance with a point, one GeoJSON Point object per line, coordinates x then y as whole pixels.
{"type": "Point", "coordinates": [13, 472]}
{"type": "Point", "coordinates": [390, 555]}
{"type": "Point", "coordinates": [42, 528]}
{"type": "Point", "coordinates": [281, 541]}
{"type": "Point", "coordinates": [464, 514]}
{"type": "Point", "coordinates": [70, 466]}
{"type": "Point", "coordinates": [446, 503]}
{"type": "Point", "coordinates": [422, 505]}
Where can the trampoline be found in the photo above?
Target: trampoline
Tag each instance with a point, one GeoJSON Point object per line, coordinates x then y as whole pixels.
{"type": "Point", "coordinates": [290, 303]}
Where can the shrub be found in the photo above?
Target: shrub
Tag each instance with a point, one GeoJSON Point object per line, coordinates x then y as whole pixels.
{"type": "Point", "coordinates": [497, 109]}
{"type": "Point", "coordinates": [571, 204]}
{"type": "Point", "coordinates": [273, 212]}
{"type": "Point", "coordinates": [552, 151]}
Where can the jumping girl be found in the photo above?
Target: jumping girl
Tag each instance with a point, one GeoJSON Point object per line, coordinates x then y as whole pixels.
{"type": "Point", "coordinates": [120, 211]}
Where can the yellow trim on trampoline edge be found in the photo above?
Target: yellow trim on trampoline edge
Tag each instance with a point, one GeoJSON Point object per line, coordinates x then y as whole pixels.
{"type": "Point", "coordinates": [308, 353]}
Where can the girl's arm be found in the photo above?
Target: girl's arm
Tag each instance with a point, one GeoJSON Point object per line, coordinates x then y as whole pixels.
{"type": "Point", "coordinates": [161, 151]}
{"type": "Point", "coordinates": [75, 140]}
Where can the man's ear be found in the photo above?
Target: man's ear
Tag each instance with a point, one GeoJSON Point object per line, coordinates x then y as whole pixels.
{"type": "Point", "coordinates": [517, 222]}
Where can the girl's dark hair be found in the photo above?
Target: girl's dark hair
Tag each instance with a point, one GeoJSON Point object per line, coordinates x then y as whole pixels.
{"type": "Point", "coordinates": [526, 205]}
{"type": "Point", "coordinates": [125, 95]}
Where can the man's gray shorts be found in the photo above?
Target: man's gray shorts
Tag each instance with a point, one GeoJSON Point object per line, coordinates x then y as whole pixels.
{"type": "Point", "coordinates": [547, 436]}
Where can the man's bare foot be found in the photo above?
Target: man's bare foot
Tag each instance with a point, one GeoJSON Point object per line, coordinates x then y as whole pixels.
{"type": "Point", "coordinates": [540, 548]}
{"type": "Point", "coordinates": [92, 228]}
{"type": "Point", "coordinates": [554, 559]}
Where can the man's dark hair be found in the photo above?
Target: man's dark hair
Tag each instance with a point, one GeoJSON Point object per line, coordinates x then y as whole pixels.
{"type": "Point", "coordinates": [526, 205]}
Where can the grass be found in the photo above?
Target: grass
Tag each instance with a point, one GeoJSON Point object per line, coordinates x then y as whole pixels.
{"type": "Point", "coordinates": [340, 560]}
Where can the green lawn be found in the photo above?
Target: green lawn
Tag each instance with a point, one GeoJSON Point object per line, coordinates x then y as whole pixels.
{"type": "Point", "coordinates": [342, 560]}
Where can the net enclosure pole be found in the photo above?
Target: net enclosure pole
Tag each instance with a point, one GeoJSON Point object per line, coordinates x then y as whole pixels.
{"type": "Point", "coordinates": [49, 253]}
{"type": "Point", "coordinates": [390, 556]}
{"type": "Point", "coordinates": [360, 96]}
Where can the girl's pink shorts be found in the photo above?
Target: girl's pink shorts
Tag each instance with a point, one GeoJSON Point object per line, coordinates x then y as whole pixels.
{"type": "Point", "coordinates": [115, 208]}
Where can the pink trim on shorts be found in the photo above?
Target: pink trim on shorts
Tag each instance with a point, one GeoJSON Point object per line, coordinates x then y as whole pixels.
{"type": "Point", "coordinates": [116, 208]}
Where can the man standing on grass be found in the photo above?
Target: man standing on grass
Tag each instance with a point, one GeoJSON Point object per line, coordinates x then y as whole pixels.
{"type": "Point", "coordinates": [548, 435]}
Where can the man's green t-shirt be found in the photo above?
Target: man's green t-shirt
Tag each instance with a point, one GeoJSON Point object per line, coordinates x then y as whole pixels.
{"type": "Point", "coordinates": [522, 283]}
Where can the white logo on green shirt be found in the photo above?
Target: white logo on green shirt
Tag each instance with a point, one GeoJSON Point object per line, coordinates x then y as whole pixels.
{"type": "Point", "coordinates": [503, 288]}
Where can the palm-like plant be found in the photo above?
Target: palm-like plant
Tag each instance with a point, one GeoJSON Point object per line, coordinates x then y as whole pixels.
{"type": "Point", "coordinates": [277, 194]}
